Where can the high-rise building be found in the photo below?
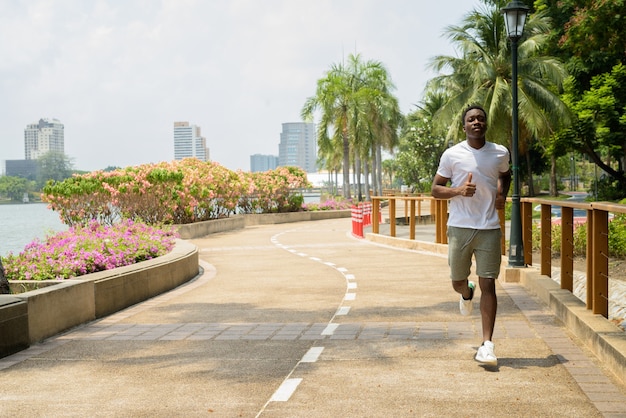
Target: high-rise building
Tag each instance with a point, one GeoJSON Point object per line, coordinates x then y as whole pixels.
{"type": "Point", "coordinates": [259, 162]}
{"type": "Point", "coordinates": [298, 146]}
{"type": "Point", "coordinates": [188, 142]}
{"type": "Point", "coordinates": [42, 137]}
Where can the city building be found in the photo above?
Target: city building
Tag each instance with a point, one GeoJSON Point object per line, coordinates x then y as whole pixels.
{"type": "Point", "coordinates": [28, 169]}
{"type": "Point", "coordinates": [189, 143]}
{"type": "Point", "coordinates": [42, 137]}
{"type": "Point", "coordinates": [298, 146]}
{"type": "Point", "coordinates": [259, 162]}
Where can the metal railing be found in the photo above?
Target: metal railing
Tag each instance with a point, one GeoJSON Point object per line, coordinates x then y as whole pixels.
{"type": "Point", "coordinates": [597, 219]}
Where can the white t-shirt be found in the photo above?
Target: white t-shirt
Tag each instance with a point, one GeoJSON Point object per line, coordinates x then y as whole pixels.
{"type": "Point", "coordinates": [485, 164]}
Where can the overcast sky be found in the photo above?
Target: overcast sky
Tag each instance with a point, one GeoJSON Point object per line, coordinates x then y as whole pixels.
{"type": "Point", "coordinates": [119, 73]}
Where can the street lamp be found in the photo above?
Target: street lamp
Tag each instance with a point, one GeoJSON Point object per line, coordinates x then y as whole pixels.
{"type": "Point", "coordinates": [514, 18]}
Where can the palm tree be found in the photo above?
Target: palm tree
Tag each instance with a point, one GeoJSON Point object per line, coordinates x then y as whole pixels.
{"type": "Point", "coordinates": [333, 98]}
{"type": "Point", "coordinates": [482, 74]}
{"type": "Point", "coordinates": [386, 121]}
{"type": "Point", "coordinates": [357, 109]}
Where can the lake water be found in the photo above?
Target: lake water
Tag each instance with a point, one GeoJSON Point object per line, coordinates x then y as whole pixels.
{"type": "Point", "coordinates": [20, 224]}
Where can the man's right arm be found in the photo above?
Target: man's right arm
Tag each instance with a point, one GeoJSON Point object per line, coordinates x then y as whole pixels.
{"type": "Point", "coordinates": [440, 189]}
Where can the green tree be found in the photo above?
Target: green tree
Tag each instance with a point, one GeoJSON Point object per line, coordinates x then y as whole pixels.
{"type": "Point", "coordinates": [390, 168]}
{"type": "Point", "coordinates": [601, 122]}
{"type": "Point", "coordinates": [54, 166]}
{"type": "Point", "coordinates": [482, 74]}
{"type": "Point", "coordinates": [15, 187]}
{"type": "Point", "coordinates": [588, 35]}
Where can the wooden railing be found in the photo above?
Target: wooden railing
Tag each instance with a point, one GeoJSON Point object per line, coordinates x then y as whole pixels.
{"type": "Point", "coordinates": [597, 219]}
{"type": "Point", "coordinates": [412, 211]}
{"type": "Point", "coordinates": [597, 258]}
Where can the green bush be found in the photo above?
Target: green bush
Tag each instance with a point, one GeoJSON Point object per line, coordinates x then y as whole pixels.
{"type": "Point", "coordinates": [617, 238]}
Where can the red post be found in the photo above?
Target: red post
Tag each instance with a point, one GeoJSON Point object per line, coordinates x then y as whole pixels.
{"type": "Point", "coordinates": [357, 221]}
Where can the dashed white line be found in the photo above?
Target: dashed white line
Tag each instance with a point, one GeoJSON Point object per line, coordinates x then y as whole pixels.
{"type": "Point", "coordinates": [344, 310]}
{"type": "Point", "coordinates": [284, 392]}
{"type": "Point", "coordinates": [330, 329]}
{"type": "Point", "coordinates": [312, 355]}
{"type": "Point", "coordinates": [289, 385]}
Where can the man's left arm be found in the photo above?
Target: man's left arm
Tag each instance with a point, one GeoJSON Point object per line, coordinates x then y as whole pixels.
{"type": "Point", "coordinates": [504, 183]}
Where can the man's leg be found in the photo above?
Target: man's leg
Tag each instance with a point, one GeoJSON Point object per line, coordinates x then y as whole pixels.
{"type": "Point", "coordinates": [461, 287]}
{"type": "Point", "coordinates": [488, 306]}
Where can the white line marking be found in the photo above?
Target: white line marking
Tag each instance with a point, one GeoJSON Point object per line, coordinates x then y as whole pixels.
{"type": "Point", "coordinates": [330, 329]}
{"type": "Point", "coordinates": [343, 310]}
{"type": "Point", "coordinates": [351, 285]}
{"type": "Point", "coordinates": [315, 259]}
{"type": "Point", "coordinates": [312, 355]}
{"type": "Point", "coordinates": [284, 392]}
{"type": "Point", "coordinates": [342, 269]}
{"type": "Point", "coordinates": [349, 276]}
{"type": "Point", "coordinates": [302, 254]}
{"type": "Point", "coordinates": [328, 263]}
{"type": "Point", "coordinates": [350, 296]}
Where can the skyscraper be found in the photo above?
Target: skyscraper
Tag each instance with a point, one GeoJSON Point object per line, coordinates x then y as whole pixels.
{"type": "Point", "coordinates": [188, 142]}
{"type": "Point", "coordinates": [298, 146]}
{"type": "Point", "coordinates": [42, 137]}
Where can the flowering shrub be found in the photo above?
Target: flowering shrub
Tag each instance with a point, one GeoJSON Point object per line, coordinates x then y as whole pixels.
{"type": "Point", "coordinates": [176, 192]}
{"type": "Point", "coordinates": [329, 204]}
{"type": "Point", "coordinates": [273, 191]}
{"type": "Point", "coordinates": [87, 249]}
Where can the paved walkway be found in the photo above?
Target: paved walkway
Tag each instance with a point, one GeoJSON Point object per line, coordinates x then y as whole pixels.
{"type": "Point", "coordinates": [304, 320]}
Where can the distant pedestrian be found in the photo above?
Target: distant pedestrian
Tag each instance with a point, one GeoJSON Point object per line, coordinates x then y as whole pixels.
{"type": "Point", "coordinates": [475, 176]}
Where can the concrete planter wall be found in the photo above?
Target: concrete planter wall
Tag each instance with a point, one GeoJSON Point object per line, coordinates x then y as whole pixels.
{"type": "Point", "coordinates": [32, 316]}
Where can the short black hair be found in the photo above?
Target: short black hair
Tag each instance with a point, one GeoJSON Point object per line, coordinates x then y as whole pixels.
{"type": "Point", "coordinates": [470, 107]}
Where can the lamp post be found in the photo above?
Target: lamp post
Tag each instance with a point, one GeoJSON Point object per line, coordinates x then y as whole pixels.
{"type": "Point", "coordinates": [514, 18]}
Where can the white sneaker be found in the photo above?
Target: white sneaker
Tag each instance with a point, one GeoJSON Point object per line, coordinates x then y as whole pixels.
{"type": "Point", "coordinates": [466, 306]}
{"type": "Point", "coordinates": [485, 354]}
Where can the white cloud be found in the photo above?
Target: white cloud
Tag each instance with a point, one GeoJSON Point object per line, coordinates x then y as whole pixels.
{"type": "Point", "coordinates": [118, 73]}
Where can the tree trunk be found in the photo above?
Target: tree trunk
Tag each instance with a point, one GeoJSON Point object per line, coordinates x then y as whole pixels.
{"type": "Point", "coordinates": [379, 170]}
{"type": "Point", "coordinates": [357, 175]}
{"type": "Point", "coordinates": [346, 167]}
{"type": "Point", "coordinates": [366, 175]}
{"type": "Point", "coordinates": [553, 186]}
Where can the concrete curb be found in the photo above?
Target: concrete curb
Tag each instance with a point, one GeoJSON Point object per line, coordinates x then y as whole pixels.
{"type": "Point", "coordinates": [605, 339]}
{"type": "Point", "coordinates": [29, 317]}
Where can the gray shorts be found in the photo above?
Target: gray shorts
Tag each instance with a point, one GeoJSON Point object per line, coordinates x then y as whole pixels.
{"type": "Point", "coordinates": [484, 244]}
